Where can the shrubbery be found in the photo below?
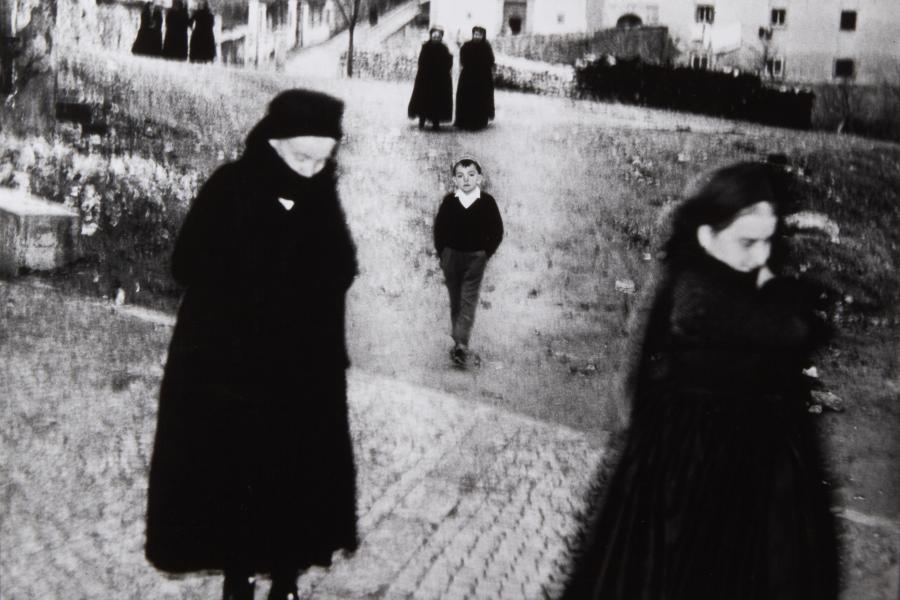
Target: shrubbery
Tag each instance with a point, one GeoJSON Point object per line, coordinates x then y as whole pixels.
{"type": "Point", "coordinates": [733, 96]}
{"type": "Point", "coordinates": [130, 207]}
{"type": "Point", "coordinates": [511, 73]}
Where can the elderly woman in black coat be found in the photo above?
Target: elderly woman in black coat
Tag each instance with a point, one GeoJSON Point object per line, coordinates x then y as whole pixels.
{"type": "Point", "coordinates": [718, 491]}
{"type": "Point", "coordinates": [143, 43]}
{"type": "Point", "coordinates": [252, 468]}
{"type": "Point", "coordinates": [475, 90]}
{"type": "Point", "coordinates": [203, 40]}
{"type": "Point", "coordinates": [175, 45]}
{"type": "Point", "coordinates": [432, 96]}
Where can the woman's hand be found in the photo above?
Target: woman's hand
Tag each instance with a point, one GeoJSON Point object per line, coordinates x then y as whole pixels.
{"type": "Point", "coordinates": [763, 275]}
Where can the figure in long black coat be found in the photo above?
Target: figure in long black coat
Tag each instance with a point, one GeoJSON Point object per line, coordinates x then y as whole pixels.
{"type": "Point", "coordinates": [719, 491]}
{"type": "Point", "coordinates": [156, 32]}
{"type": "Point", "coordinates": [432, 96]}
{"type": "Point", "coordinates": [203, 41]}
{"type": "Point", "coordinates": [252, 468]}
{"type": "Point", "coordinates": [175, 45]}
{"type": "Point", "coordinates": [475, 90]}
{"type": "Point", "coordinates": [143, 43]}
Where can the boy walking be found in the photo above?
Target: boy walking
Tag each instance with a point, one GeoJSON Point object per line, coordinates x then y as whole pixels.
{"type": "Point", "coordinates": [467, 231]}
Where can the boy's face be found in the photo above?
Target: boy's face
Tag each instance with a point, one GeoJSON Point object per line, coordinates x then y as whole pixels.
{"type": "Point", "coordinates": [467, 178]}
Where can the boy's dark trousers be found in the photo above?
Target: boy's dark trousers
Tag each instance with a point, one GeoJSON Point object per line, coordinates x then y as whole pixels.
{"type": "Point", "coordinates": [462, 273]}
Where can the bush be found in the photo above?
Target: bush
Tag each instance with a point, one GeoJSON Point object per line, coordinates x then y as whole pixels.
{"type": "Point", "coordinates": [873, 111]}
{"type": "Point", "coordinates": [130, 207]}
{"type": "Point", "coordinates": [650, 44]}
{"type": "Point", "coordinates": [733, 96]}
{"type": "Point", "coordinates": [511, 73]}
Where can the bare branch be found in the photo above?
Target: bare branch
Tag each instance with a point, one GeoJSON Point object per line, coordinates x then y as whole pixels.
{"type": "Point", "coordinates": [349, 10]}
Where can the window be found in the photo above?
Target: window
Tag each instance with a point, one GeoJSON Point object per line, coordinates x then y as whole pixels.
{"type": "Point", "coordinates": [775, 67]}
{"type": "Point", "coordinates": [844, 68]}
{"type": "Point", "coordinates": [706, 13]}
{"type": "Point", "coordinates": [779, 16]}
{"type": "Point", "coordinates": [848, 20]}
{"type": "Point", "coordinates": [561, 18]}
{"type": "Point", "coordinates": [699, 61]}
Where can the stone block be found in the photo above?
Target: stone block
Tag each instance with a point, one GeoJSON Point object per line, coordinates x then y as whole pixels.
{"type": "Point", "coordinates": [35, 234]}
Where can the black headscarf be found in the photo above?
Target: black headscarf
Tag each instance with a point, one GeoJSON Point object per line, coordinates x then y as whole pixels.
{"type": "Point", "coordinates": [294, 113]}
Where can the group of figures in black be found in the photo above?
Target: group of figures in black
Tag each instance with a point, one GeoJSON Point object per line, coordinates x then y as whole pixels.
{"type": "Point", "coordinates": [432, 96]}
{"type": "Point", "coordinates": [718, 485]}
{"type": "Point", "coordinates": [175, 46]}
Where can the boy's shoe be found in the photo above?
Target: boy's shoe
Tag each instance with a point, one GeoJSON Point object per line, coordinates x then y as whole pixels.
{"type": "Point", "coordinates": [458, 356]}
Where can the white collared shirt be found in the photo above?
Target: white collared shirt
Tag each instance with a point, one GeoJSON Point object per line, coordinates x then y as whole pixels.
{"type": "Point", "coordinates": [468, 199]}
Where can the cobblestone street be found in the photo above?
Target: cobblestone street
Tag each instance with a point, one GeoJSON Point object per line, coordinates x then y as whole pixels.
{"type": "Point", "coordinates": [457, 500]}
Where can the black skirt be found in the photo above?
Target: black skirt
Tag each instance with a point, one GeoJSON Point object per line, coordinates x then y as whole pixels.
{"type": "Point", "coordinates": [713, 496]}
{"type": "Point", "coordinates": [260, 478]}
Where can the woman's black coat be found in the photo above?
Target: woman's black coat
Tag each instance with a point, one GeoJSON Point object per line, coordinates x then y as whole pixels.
{"type": "Point", "coordinates": [175, 45]}
{"type": "Point", "coordinates": [432, 96]}
{"type": "Point", "coordinates": [718, 492]}
{"type": "Point", "coordinates": [203, 42]}
{"type": "Point", "coordinates": [149, 37]}
{"type": "Point", "coordinates": [252, 462]}
{"type": "Point", "coordinates": [475, 90]}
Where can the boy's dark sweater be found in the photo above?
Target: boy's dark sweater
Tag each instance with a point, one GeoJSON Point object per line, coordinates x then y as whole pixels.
{"type": "Point", "coordinates": [478, 227]}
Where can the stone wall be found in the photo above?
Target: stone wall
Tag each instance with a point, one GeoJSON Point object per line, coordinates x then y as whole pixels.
{"type": "Point", "coordinates": [511, 72]}
{"type": "Point", "coordinates": [651, 44]}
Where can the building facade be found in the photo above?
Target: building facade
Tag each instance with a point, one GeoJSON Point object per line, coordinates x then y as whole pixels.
{"type": "Point", "coordinates": [797, 41]}
{"type": "Point", "coordinates": [514, 17]}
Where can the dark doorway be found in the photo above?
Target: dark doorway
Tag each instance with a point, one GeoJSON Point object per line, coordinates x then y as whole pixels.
{"type": "Point", "coordinates": [629, 21]}
{"type": "Point", "coordinates": [514, 16]}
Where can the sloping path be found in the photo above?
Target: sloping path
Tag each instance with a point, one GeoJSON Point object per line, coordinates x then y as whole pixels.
{"type": "Point", "coordinates": [323, 60]}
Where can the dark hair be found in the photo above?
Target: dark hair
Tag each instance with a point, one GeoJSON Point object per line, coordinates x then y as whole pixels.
{"type": "Point", "coordinates": [465, 162]}
{"type": "Point", "coordinates": [727, 193]}
{"type": "Point", "coordinates": [481, 29]}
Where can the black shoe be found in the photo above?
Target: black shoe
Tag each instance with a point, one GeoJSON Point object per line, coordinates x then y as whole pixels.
{"type": "Point", "coordinates": [238, 587]}
{"type": "Point", "coordinates": [458, 356]}
{"type": "Point", "coordinates": [283, 592]}
{"type": "Point", "coordinates": [421, 123]}
{"type": "Point", "coordinates": [435, 126]}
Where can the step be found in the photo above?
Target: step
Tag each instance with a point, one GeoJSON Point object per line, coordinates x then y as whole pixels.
{"type": "Point", "coordinates": [35, 234]}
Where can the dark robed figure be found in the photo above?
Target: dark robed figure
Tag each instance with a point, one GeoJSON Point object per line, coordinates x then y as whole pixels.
{"type": "Point", "coordinates": [175, 45]}
{"type": "Point", "coordinates": [475, 90]}
{"type": "Point", "coordinates": [252, 468]}
{"type": "Point", "coordinates": [432, 96]}
{"type": "Point", "coordinates": [718, 492]}
{"type": "Point", "coordinates": [203, 42]}
{"type": "Point", "coordinates": [149, 37]}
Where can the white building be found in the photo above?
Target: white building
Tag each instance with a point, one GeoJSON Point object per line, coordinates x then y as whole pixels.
{"type": "Point", "coordinates": [511, 17]}
{"type": "Point", "coordinates": [807, 41]}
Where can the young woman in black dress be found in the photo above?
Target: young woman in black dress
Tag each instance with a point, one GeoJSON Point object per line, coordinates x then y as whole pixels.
{"type": "Point", "coordinates": [718, 492]}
